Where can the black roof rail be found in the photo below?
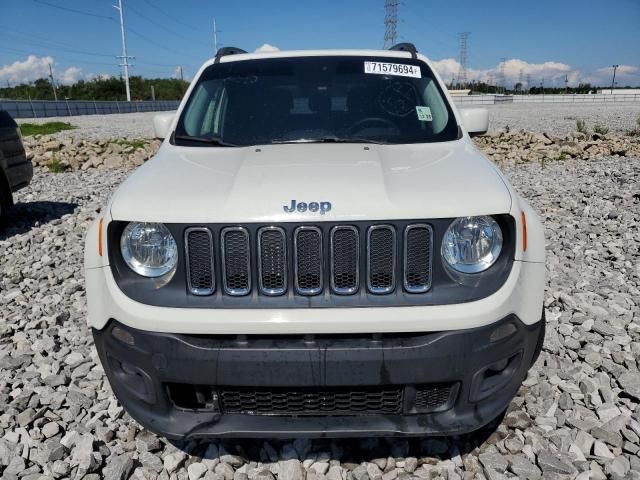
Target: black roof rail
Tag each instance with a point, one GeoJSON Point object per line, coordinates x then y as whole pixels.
{"type": "Point", "coordinates": [227, 51]}
{"type": "Point", "coordinates": [406, 47]}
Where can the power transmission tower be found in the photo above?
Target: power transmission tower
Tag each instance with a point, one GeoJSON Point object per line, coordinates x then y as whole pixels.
{"type": "Point", "coordinates": [528, 81]}
{"type": "Point", "coordinates": [181, 74]}
{"type": "Point", "coordinates": [462, 72]}
{"type": "Point", "coordinates": [520, 80]}
{"type": "Point", "coordinates": [566, 84]}
{"type": "Point", "coordinates": [501, 77]}
{"type": "Point", "coordinates": [124, 57]}
{"type": "Point", "coordinates": [613, 81]}
{"type": "Point", "coordinates": [390, 22]}
{"type": "Point", "coordinates": [53, 83]}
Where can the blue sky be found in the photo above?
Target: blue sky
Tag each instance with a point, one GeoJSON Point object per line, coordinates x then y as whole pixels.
{"type": "Point", "coordinates": [579, 39]}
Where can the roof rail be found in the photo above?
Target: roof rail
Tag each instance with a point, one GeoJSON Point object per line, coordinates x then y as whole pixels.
{"type": "Point", "coordinates": [406, 47]}
{"type": "Point", "coordinates": [224, 51]}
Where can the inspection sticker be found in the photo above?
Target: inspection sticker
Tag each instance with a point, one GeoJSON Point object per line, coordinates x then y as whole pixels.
{"type": "Point", "coordinates": [424, 114]}
{"type": "Point", "coordinates": [392, 69]}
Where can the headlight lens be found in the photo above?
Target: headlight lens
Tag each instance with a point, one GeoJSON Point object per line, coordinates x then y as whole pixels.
{"type": "Point", "coordinates": [472, 244]}
{"type": "Point", "coordinates": [149, 249]}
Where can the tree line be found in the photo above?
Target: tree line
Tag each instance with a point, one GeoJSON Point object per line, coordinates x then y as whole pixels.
{"type": "Point", "coordinates": [519, 88]}
{"type": "Point", "coordinates": [111, 88]}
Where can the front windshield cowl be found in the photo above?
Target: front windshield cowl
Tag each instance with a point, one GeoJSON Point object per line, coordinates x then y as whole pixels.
{"type": "Point", "coordinates": [316, 99]}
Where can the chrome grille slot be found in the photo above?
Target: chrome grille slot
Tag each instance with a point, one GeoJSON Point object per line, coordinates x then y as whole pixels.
{"type": "Point", "coordinates": [236, 263]}
{"type": "Point", "coordinates": [418, 241]}
{"type": "Point", "coordinates": [308, 260]}
{"type": "Point", "coordinates": [272, 260]}
{"type": "Point", "coordinates": [381, 259]}
{"type": "Point", "coordinates": [199, 253]}
{"type": "Point", "coordinates": [345, 260]}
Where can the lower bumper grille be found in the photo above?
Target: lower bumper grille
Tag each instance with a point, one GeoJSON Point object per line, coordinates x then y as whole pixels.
{"type": "Point", "coordinates": [312, 401]}
{"type": "Point", "coordinates": [325, 401]}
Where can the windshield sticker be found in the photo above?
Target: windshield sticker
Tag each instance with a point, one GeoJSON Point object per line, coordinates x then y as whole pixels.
{"type": "Point", "coordinates": [398, 69]}
{"type": "Point", "coordinates": [424, 114]}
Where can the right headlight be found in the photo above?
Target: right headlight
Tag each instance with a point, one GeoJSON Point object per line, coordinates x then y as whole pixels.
{"type": "Point", "coordinates": [149, 249]}
{"type": "Point", "coordinates": [472, 244]}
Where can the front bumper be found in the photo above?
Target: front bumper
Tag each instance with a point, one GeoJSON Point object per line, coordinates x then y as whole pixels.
{"type": "Point", "coordinates": [177, 384]}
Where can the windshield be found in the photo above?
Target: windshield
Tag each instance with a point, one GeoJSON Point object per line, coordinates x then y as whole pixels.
{"type": "Point", "coordinates": [316, 99]}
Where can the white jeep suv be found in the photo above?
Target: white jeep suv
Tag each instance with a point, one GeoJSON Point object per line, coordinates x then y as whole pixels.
{"type": "Point", "coordinates": [317, 249]}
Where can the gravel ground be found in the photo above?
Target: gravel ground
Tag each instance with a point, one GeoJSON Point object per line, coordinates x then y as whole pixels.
{"type": "Point", "coordinates": [558, 119]}
{"type": "Point", "coordinates": [576, 415]}
{"type": "Point", "coordinates": [97, 127]}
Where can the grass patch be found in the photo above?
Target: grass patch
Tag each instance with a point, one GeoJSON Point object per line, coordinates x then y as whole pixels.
{"type": "Point", "coordinates": [56, 166]}
{"type": "Point", "coordinates": [48, 128]}
{"type": "Point", "coordinates": [581, 126]}
{"type": "Point", "coordinates": [562, 156]}
{"type": "Point", "coordinates": [600, 129]}
{"type": "Point", "coordinates": [136, 144]}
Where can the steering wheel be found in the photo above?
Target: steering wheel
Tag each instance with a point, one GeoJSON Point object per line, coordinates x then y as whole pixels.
{"type": "Point", "coordinates": [360, 124]}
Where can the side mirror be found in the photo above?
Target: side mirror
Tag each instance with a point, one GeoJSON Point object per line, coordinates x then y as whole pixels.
{"type": "Point", "coordinates": [162, 124]}
{"type": "Point", "coordinates": [475, 120]}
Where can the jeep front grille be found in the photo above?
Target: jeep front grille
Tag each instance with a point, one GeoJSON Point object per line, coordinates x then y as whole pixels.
{"type": "Point", "coordinates": [310, 260]}
{"type": "Point", "coordinates": [199, 247]}
{"type": "Point", "coordinates": [236, 261]}
{"type": "Point", "coordinates": [418, 240]}
{"type": "Point", "coordinates": [345, 260]}
{"type": "Point", "coordinates": [272, 260]}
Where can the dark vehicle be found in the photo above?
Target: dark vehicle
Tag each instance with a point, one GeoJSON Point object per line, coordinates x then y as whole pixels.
{"type": "Point", "coordinates": [16, 170]}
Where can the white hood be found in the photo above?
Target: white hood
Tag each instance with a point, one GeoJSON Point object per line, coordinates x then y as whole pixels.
{"type": "Point", "coordinates": [362, 182]}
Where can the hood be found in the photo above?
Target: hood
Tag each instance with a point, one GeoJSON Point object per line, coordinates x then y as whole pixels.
{"type": "Point", "coordinates": [361, 181]}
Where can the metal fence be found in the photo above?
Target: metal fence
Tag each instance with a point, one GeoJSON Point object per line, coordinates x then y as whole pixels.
{"type": "Point", "coordinates": [555, 98]}
{"type": "Point", "coordinates": [67, 108]}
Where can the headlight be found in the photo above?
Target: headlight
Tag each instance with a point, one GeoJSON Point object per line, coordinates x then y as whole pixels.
{"type": "Point", "coordinates": [472, 244]}
{"type": "Point", "coordinates": [149, 249]}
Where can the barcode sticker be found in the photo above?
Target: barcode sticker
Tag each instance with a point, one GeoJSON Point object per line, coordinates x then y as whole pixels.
{"type": "Point", "coordinates": [398, 69]}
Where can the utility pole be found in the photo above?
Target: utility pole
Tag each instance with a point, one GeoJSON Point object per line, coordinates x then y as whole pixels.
{"type": "Point", "coordinates": [390, 22]}
{"type": "Point", "coordinates": [53, 84]}
{"type": "Point", "coordinates": [181, 74]}
{"type": "Point", "coordinates": [613, 81]}
{"type": "Point", "coordinates": [125, 58]}
{"type": "Point", "coordinates": [215, 37]}
{"type": "Point", "coordinates": [566, 84]}
{"type": "Point", "coordinates": [462, 72]}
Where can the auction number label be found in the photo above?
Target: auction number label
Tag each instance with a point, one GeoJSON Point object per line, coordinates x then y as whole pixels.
{"type": "Point", "coordinates": [398, 69]}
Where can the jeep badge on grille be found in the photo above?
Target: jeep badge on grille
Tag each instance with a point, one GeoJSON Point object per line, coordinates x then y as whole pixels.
{"type": "Point", "coordinates": [313, 207]}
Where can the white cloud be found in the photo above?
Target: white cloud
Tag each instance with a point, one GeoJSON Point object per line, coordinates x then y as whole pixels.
{"type": "Point", "coordinates": [26, 71]}
{"type": "Point", "coordinates": [553, 73]}
{"type": "Point", "coordinates": [35, 67]}
{"type": "Point", "coordinates": [70, 75]}
{"type": "Point", "coordinates": [266, 48]}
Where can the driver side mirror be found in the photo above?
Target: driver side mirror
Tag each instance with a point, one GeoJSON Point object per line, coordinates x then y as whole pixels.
{"type": "Point", "coordinates": [475, 120]}
{"type": "Point", "coordinates": [162, 124]}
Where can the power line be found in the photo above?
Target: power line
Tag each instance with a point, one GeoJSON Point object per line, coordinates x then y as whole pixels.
{"type": "Point", "coordinates": [166, 29]}
{"type": "Point", "coordinates": [172, 17]}
{"type": "Point", "coordinates": [73, 10]}
{"type": "Point", "coordinates": [390, 22]}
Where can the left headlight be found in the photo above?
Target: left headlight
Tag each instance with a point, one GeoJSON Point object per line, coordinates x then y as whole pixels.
{"type": "Point", "coordinates": [149, 249]}
{"type": "Point", "coordinates": [472, 244]}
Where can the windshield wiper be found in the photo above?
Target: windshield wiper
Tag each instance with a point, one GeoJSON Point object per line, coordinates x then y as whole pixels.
{"type": "Point", "coordinates": [331, 140]}
{"type": "Point", "coordinates": [217, 141]}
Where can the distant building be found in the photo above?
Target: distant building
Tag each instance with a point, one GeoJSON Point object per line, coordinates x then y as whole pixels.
{"type": "Point", "coordinates": [620, 91]}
